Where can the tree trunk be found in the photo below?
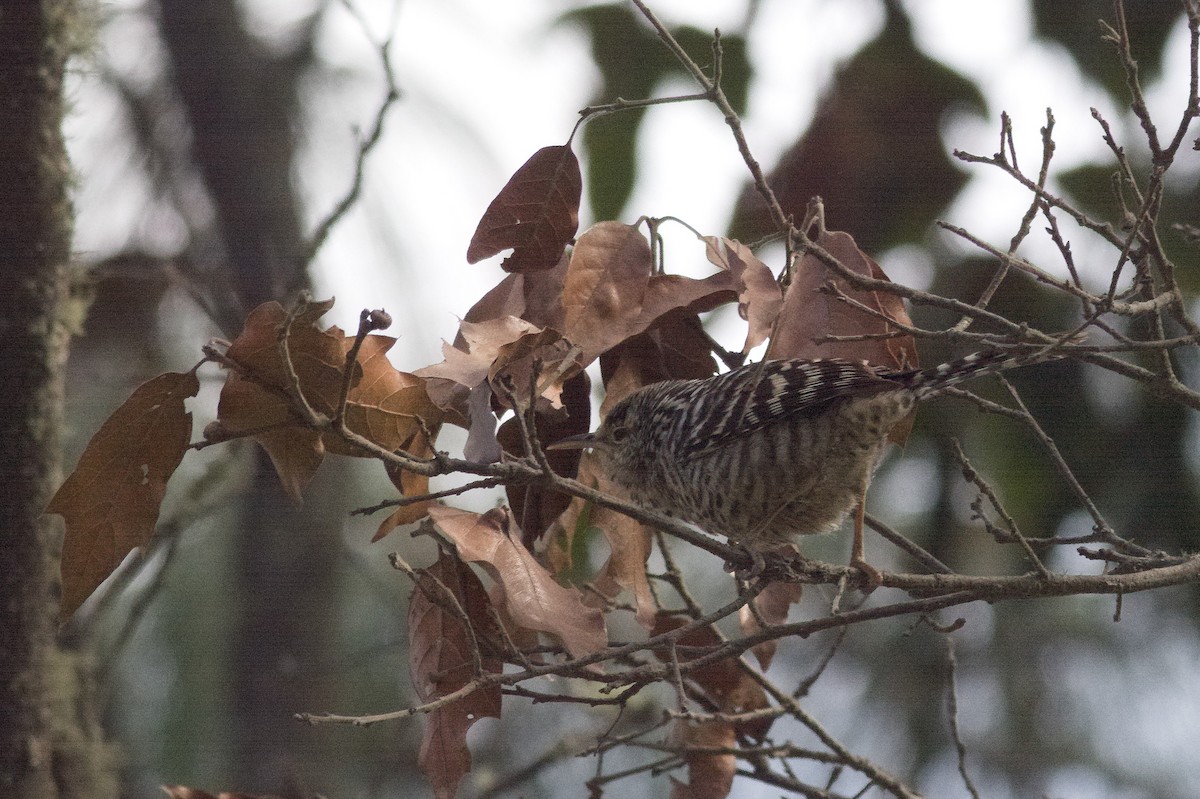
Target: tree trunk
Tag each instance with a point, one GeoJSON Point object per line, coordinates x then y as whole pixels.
{"type": "Point", "coordinates": [46, 738]}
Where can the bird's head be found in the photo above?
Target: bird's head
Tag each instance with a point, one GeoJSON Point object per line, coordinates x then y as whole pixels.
{"type": "Point", "coordinates": [624, 441]}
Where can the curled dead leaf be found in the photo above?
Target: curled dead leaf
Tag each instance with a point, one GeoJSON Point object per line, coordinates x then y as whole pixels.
{"type": "Point", "coordinates": [410, 484]}
{"type": "Point", "coordinates": [467, 366]}
{"type": "Point", "coordinates": [759, 297]}
{"type": "Point", "coordinates": [630, 543]}
{"type": "Point", "coordinates": [530, 594]}
{"type": "Point", "coordinates": [441, 661]}
{"type": "Point", "coordinates": [772, 605]}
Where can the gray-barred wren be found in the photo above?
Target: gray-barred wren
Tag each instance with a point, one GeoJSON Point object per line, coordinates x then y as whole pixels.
{"type": "Point", "coordinates": [771, 450]}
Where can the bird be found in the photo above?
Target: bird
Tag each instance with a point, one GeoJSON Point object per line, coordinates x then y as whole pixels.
{"type": "Point", "coordinates": [772, 450]}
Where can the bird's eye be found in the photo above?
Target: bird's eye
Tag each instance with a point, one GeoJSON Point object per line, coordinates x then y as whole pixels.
{"type": "Point", "coordinates": [619, 434]}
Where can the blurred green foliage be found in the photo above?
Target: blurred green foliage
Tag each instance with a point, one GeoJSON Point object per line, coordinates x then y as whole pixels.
{"type": "Point", "coordinates": [632, 64]}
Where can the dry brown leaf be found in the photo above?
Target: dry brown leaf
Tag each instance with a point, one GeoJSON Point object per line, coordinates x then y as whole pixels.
{"type": "Point", "coordinates": [111, 501]}
{"type": "Point", "coordinates": [498, 352]}
{"type": "Point", "coordinates": [465, 367]}
{"type": "Point", "coordinates": [536, 214]}
{"type": "Point", "coordinates": [733, 691]}
{"type": "Point", "coordinates": [630, 543]}
{"type": "Point", "coordinates": [317, 355]}
{"type": "Point", "coordinates": [809, 313]}
{"type": "Point", "coordinates": [410, 484]}
{"type": "Point", "coordinates": [535, 506]}
{"type": "Point", "coordinates": [556, 360]}
{"type": "Point", "coordinates": [255, 400]}
{"type": "Point", "coordinates": [670, 292]}
{"type": "Point", "coordinates": [759, 297]}
{"type": "Point", "coordinates": [710, 775]}
{"type": "Point", "coordinates": [605, 285]}
{"type": "Point", "coordinates": [533, 296]}
{"type": "Point", "coordinates": [440, 662]}
{"type": "Point", "coordinates": [385, 405]}
{"type": "Point", "coordinates": [296, 453]}
{"type": "Point", "coordinates": [675, 347]}
{"type": "Point", "coordinates": [723, 682]}
{"type": "Point", "coordinates": [772, 604]}
{"type": "Point", "coordinates": [531, 595]}
{"type": "Point", "coordinates": [609, 294]}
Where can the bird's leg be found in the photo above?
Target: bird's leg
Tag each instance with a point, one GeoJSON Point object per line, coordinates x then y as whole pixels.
{"type": "Point", "coordinates": [872, 576]}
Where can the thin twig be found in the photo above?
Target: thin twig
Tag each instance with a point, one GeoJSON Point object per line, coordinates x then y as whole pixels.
{"type": "Point", "coordinates": [971, 475]}
{"type": "Point", "coordinates": [343, 206]}
{"type": "Point", "coordinates": [952, 711]}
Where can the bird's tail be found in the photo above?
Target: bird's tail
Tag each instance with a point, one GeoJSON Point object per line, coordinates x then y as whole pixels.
{"type": "Point", "coordinates": [928, 382]}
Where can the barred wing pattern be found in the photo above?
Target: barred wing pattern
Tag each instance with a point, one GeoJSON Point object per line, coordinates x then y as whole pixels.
{"type": "Point", "coordinates": [752, 397]}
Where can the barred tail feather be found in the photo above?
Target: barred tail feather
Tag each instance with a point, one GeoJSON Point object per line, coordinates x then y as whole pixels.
{"type": "Point", "coordinates": [927, 382]}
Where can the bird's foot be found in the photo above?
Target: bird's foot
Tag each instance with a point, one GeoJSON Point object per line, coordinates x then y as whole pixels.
{"type": "Point", "coordinates": [756, 567]}
{"type": "Point", "coordinates": [872, 577]}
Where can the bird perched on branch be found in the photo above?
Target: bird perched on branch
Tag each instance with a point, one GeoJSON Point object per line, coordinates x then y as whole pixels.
{"type": "Point", "coordinates": [771, 450]}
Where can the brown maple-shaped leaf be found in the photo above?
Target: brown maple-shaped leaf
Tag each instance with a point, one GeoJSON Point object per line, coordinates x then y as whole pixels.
{"type": "Point", "coordinates": [410, 484]}
{"type": "Point", "coordinates": [759, 297]}
{"type": "Point", "coordinates": [441, 662]}
{"type": "Point", "coordinates": [530, 594]}
{"type": "Point", "coordinates": [111, 501]}
{"type": "Point", "coordinates": [610, 293]}
{"type": "Point", "coordinates": [387, 406]}
{"type": "Point", "coordinates": [254, 399]}
{"type": "Point", "coordinates": [772, 605]}
{"type": "Point", "coordinates": [317, 355]}
{"type": "Point", "coordinates": [536, 214]}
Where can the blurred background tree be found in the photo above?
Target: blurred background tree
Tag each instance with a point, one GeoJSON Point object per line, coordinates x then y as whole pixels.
{"type": "Point", "coordinates": [211, 139]}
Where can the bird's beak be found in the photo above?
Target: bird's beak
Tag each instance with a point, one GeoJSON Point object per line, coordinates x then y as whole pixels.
{"type": "Point", "coordinates": [581, 441]}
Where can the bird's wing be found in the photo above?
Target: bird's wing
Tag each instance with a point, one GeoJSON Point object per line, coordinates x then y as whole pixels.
{"type": "Point", "coordinates": [755, 396]}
